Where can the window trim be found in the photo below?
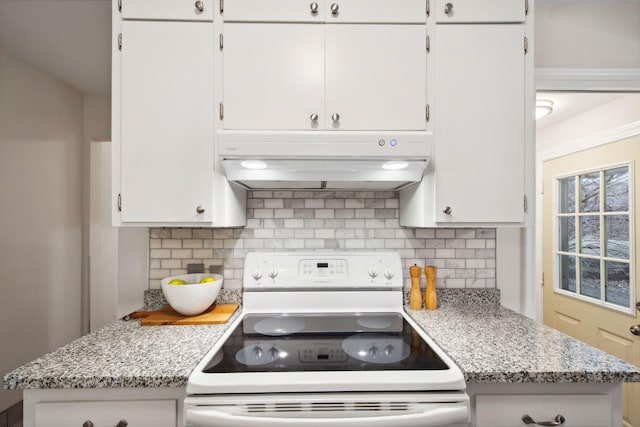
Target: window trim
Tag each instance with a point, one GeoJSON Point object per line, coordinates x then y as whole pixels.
{"type": "Point", "coordinates": [631, 213]}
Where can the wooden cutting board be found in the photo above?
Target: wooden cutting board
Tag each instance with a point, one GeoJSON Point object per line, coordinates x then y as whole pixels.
{"type": "Point", "coordinates": [216, 314]}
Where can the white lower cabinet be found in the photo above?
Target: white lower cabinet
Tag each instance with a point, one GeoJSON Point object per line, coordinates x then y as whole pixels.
{"type": "Point", "coordinates": [547, 404]}
{"type": "Point", "coordinates": [161, 413]}
{"type": "Point", "coordinates": [106, 407]}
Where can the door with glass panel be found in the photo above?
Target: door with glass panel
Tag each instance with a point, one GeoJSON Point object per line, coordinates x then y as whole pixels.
{"type": "Point", "coordinates": [591, 225]}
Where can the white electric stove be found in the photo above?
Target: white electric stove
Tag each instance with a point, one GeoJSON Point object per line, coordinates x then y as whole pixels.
{"type": "Point", "coordinates": [323, 340]}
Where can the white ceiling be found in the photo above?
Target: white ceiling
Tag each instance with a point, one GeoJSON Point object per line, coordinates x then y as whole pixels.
{"type": "Point", "coordinates": [70, 39]}
{"type": "Point", "coordinates": [567, 104]}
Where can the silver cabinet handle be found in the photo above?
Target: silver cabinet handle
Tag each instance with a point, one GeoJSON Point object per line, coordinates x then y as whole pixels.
{"type": "Point", "coordinates": [448, 8]}
{"type": "Point", "coordinates": [558, 420]}
{"type": "Point", "coordinates": [200, 209]}
{"type": "Point", "coordinates": [447, 210]}
{"type": "Point", "coordinates": [635, 330]}
{"type": "Point", "coordinates": [335, 117]}
{"type": "Point", "coordinates": [200, 6]}
{"type": "Point", "coordinates": [122, 423]}
{"type": "Point", "coordinates": [334, 8]}
{"type": "Point", "coordinates": [313, 117]}
{"type": "Point", "coordinates": [314, 8]}
{"type": "Point", "coordinates": [87, 423]}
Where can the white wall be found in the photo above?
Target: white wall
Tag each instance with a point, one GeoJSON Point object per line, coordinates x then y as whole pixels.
{"type": "Point", "coordinates": [40, 215]}
{"type": "Point", "coordinates": [587, 34]}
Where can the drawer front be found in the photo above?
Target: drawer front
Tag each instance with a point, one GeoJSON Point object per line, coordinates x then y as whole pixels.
{"type": "Point", "coordinates": [330, 11]}
{"type": "Point", "coordinates": [170, 10]}
{"type": "Point", "coordinates": [578, 410]}
{"type": "Point", "coordinates": [143, 413]}
{"type": "Point", "coordinates": [474, 11]}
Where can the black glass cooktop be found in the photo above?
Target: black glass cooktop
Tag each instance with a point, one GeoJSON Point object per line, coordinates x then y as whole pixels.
{"type": "Point", "coordinates": [324, 342]}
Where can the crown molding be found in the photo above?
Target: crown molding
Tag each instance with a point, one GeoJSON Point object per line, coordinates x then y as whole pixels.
{"type": "Point", "coordinates": [588, 79]}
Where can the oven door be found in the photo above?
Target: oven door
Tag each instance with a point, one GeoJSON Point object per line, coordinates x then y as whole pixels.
{"type": "Point", "coordinates": [436, 409]}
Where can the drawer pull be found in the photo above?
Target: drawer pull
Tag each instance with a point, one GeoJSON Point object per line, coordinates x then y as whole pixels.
{"type": "Point", "coordinates": [558, 420]}
{"type": "Point", "coordinates": [122, 423]}
{"type": "Point", "coordinates": [87, 423]}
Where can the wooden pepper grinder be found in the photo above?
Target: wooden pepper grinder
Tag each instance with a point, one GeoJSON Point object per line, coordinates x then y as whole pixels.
{"type": "Point", "coordinates": [415, 298]}
{"type": "Point", "coordinates": [430, 297]}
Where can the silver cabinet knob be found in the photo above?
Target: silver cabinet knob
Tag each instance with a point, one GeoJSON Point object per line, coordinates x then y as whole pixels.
{"type": "Point", "coordinates": [335, 117]}
{"type": "Point", "coordinates": [313, 117]}
{"type": "Point", "coordinates": [558, 420]}
{"type": "Point", "coordinates": [334, 8]}
{"type": "Point", "coordinates": [122, 423]}
{"type": "Point", "coordinates": [199, 5]}
{"type": "Point", "coordinates": [87, 423]}
{"type": "Point", "coordinates": [314, 8]}
{"type": "Point", "coordinates": [635, 330]}
{"type": "Point", "coordinates": [448, 8]}
{"type": "Point", "coordinates": [200, 209]}
{"type": "Point", "coordinates": [447, 210]}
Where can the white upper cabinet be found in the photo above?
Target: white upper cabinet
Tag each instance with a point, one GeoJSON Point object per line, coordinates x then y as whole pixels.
{"type": "Point", "coordinates": [474, 11]}
{"type": "Point", "coordinates": [479, 123]}
{"type": "Point", "coordinates": [324, 65]}
{"type": "Point", "coordinates": [167, 104]}
{"type": "Point", "coordinates": [173, 10]}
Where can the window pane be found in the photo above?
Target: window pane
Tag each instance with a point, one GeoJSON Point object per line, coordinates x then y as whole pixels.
{"type": "Point", "coordinates": [617, 289]}
{"type": "Point", "coordinates": [567, 195]}
{"type": "Point", "coordinates": [617, 189]}
{"type": "Point", "coordinates": [567, 269]}
{"type": "Point", "coordinates": [590, 235]}
{"type": "Point", "coordinates": [590, 192]}
{"type": "Point", "coordinates": [617, 228]}
{"type": "Point", "coordinates": [567, 234]}
{"type": "Point", "coordinates": [590, 277]}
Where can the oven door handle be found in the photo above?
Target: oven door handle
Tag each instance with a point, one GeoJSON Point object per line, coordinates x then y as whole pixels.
{"type": "Point", "coordinates": [432, 417]}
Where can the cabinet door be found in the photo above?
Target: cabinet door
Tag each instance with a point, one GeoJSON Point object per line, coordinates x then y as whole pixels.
{"type": "Point", "coordinates": [274, 11]}
{"type": "Point", "coordinates": [143, 413]}
{"type": "Point", "coordinates": [167, 121]}
{"type": "Point", "coordinates": [461, 11]}
{"type": "Point", "coordinates": [376, 77]}
{"type": "Point", "coordinates": [273, 76]}
{"type": "Point", "coordinates": [479, 118]}
{"type": "Point", "coordinates": [176, 10]}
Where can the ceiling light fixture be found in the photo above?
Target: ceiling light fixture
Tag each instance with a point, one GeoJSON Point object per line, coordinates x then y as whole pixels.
{"type": "Point", "coordinates": [544, 107]}
{"type": "Point", "coordinates": [254, 164]}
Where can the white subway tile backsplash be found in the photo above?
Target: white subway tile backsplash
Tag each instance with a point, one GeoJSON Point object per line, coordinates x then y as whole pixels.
{"type": "Point", "coordinates": [327, 220]}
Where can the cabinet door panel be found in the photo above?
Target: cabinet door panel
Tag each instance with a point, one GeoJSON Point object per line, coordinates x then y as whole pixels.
{"type": "Point", "coordinates": [461, 11]}
{"type": "Point", "coordinates": [167, 121]}
{"type": "Point", "coordinates": [273, 76]}
{"type": "Point", "coordinates": [376, 77]}
{"type": "Point", "coordinates": [479, 123]}
{"type": "Point", "coordinates": [273, 11]}
{"type": "Point", "coordinates": [176, 10]}
{"type": "Point", "coordinates": [161, 413]}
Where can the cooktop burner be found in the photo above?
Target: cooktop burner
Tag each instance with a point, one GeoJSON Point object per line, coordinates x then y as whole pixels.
{"type": "Point", "coordinates": [324, 342]}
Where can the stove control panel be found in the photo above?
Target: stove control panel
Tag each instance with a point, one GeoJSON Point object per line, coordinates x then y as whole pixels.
{"type": "Point", "coordinates": [313, 270]}
{"type": "Point", "coordinates": [322, 353]}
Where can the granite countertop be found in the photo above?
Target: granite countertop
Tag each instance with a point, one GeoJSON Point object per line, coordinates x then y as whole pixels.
{"type": "Point", "coordinates": [492, 344]}
{"type": "Point", "coordinates": [489, 343]}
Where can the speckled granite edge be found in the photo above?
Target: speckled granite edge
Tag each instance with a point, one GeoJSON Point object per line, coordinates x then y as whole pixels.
{"type": "Point", "coordinates": [154, 298]}
{"type": "Point", "coordinates": [462, 297]}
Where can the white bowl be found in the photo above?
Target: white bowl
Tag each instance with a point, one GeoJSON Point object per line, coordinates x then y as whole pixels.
{"type": "Point", "coordinates": [194, 297]}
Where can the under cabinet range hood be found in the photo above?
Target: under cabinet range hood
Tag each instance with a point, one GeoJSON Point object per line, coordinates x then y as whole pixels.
{"type": "Point", "coordinates": [324, 160]}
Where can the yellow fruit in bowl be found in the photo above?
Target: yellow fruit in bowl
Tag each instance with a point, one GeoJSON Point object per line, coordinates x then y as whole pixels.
{"type": "Point", "coordinates": [208, 280]}
{"type": "Point", "coordinates": [177, 282]}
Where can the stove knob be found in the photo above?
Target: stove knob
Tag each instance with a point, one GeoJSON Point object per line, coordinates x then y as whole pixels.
{"type": "Point", "coordinates": [388, 350]}
{"type": "Point", "coordinates": [257, 274]}
{"type": "Point", "coordinates": [274, 353]}
{"type": "Point", "coordinates": [388, 273]}
{"type": "Point", "coordinates": [373, 351]}
{"type": "Point", "coordinates": [257, 352]}
{"type": "Point", "coordinates": [273, 272]}
{"type": "Point", "coordinates": [373, 272]}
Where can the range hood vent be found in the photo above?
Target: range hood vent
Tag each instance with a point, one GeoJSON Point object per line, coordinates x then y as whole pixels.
{"type": "Point", "coordinates": [327, 174]}
{"type": "Point", "coordinates": [324, 160]}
